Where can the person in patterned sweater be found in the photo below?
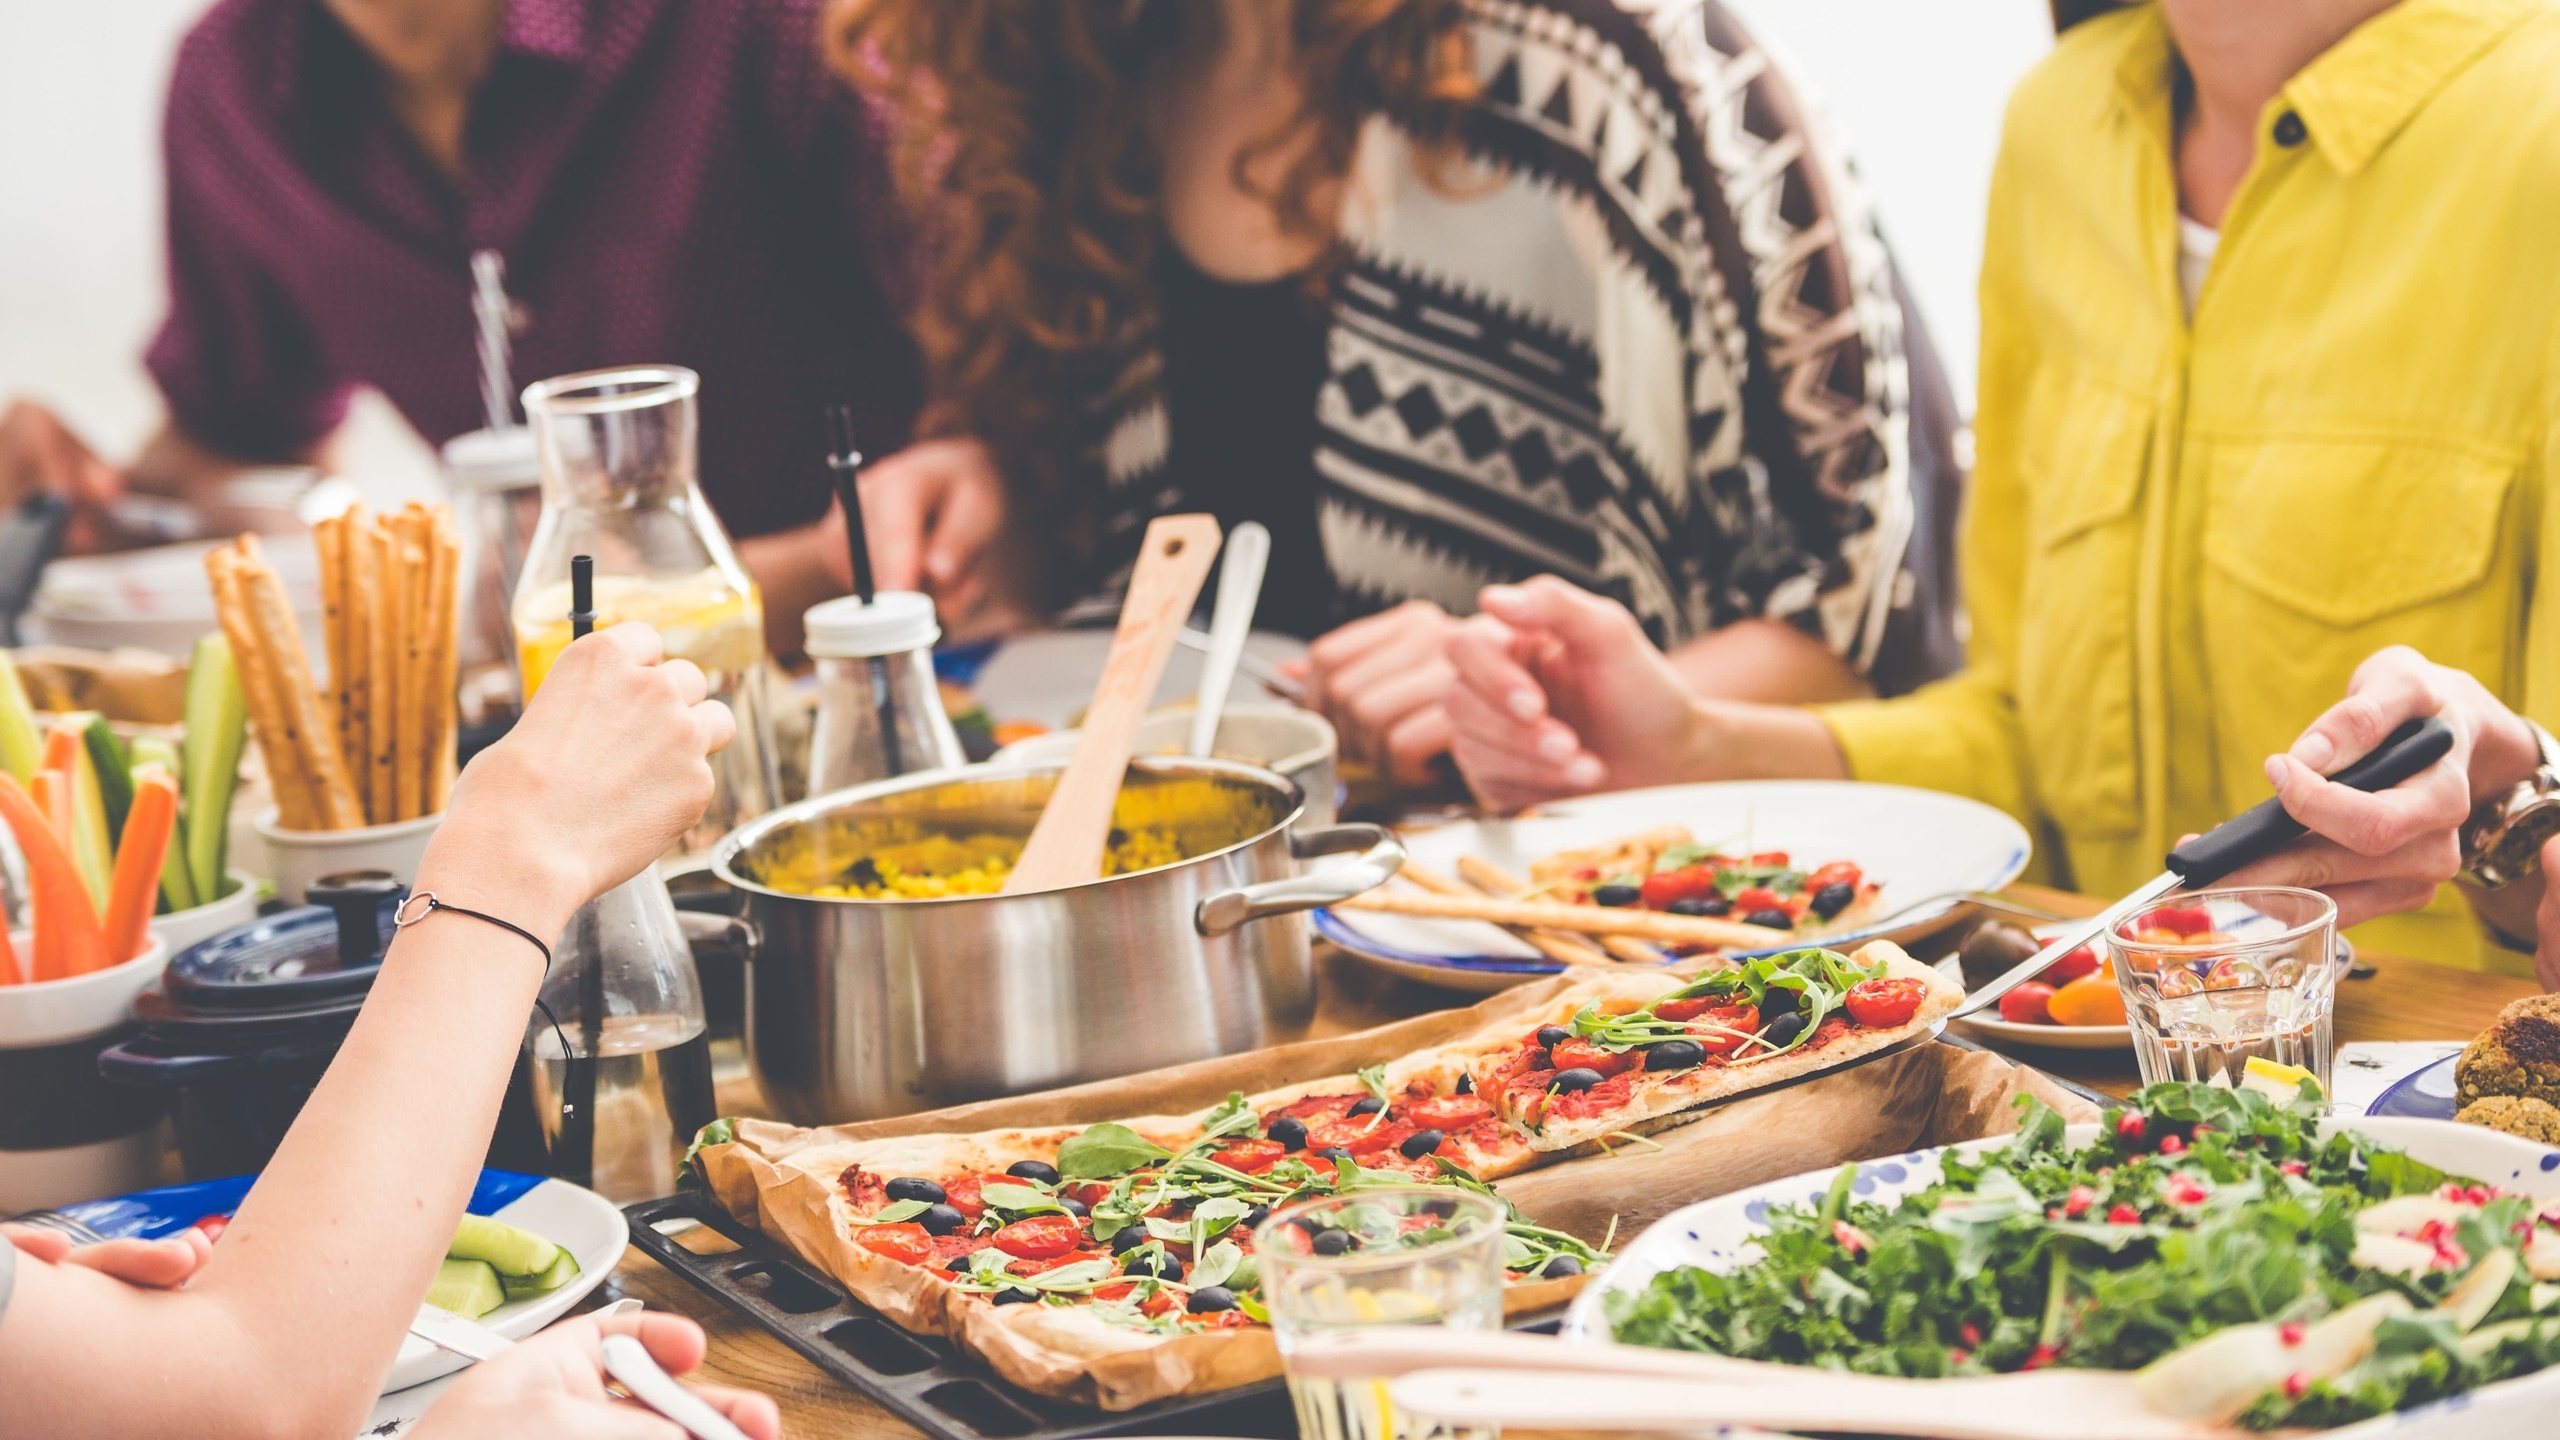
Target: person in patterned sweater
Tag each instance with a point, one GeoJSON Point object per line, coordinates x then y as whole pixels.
{"type": "Point", "coordinates": [1445, 295]}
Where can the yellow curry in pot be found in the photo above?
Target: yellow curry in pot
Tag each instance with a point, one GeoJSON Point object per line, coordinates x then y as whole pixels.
{"type": "Point", "coordinates": [963, 837]}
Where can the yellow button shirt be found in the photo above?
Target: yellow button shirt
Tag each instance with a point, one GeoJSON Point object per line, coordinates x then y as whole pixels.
{"type": "Point", "coordinates": [2184, 535]}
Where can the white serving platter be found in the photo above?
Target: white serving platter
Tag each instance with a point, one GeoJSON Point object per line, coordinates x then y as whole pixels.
{"type": "Point", "coordinates": [1918, 845]}
{"type": "Point", "coordinates": [1723, 1233]}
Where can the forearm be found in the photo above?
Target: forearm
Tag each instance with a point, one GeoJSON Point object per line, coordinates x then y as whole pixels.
{"type": "Point", "coordinates": [294, 1319]}
{"type": "Point", "coordinates": [1765, 661]}
{"type": "Point", "coordinates": [1739, 740]}
{"type": "Point", "coordinates": [174, 463]}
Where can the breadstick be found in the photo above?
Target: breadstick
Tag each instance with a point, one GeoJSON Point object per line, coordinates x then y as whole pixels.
{"type": "Point", "coordinates": [1555, 945]}
{"type": "Point", "coordinates": [257, 691]}
{"type": "Point", "coordinates": [444, 620]}
{"type": "Point", "coordinates": [1580, 919]}
{"type": "Point", "coordinates": [1493, 880]}
{"type": "Point", "coordinates": [271, 615]}
{"type": "Point", "coordinates": [355, 717]}
{"type": "Point", "coordinates": [328, 545]}
{"type": "Point", "coordinates": [409, 722]}
{"type": "Point", "coordinates": [382, 639]}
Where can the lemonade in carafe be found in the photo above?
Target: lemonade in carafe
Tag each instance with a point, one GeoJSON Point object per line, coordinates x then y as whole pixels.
{"type": "Point", "coordinates": [618, 484]}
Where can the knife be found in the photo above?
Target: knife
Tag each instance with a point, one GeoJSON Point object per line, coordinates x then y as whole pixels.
{"type": "Point", "coordinates": [2254, 834]}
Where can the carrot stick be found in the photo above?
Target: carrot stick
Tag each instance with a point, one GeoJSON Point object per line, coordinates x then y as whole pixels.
{"type": "Point", "coordinates": [136, 886]}
{"type": "Point", "coordinates": [61, 747]}
{"type": "Point", "coordinates": [10, 974]}
{"type": "Point", "coordinates": [67, 939]}
{"type": "Point", "coordinates": [53, 798]}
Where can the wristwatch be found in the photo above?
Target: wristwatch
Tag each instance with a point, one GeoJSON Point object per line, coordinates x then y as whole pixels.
{"type": "Point", "coordinates": [2502, 841]}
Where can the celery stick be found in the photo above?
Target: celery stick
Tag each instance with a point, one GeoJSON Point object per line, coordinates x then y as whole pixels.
{"type": "Point", "coordinates": [21, 748]}
{"type": "Point", "coordinates": [89, 847]}
{"type": "Point", "coordinates": [177, 889]}
{"type": "Point", "coordinates": [217, 728]}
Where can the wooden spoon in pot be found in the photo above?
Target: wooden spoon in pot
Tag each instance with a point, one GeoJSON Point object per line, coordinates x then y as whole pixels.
{"type": "Point", "coordinates": [1066, 845]}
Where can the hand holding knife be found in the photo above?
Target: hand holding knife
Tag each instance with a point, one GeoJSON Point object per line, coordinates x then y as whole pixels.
{"type": "Point", "coordinates": [2251, 836]}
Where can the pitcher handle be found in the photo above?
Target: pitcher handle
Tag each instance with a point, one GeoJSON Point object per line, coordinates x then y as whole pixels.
{"type": "Point", "coordinates": [1381, 856]}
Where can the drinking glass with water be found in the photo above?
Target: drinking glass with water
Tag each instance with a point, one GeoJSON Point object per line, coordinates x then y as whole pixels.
{"type": "Point", "coordinates": [2214, 979]}
{"type": "Point", "coordinates": [1388, 1256]}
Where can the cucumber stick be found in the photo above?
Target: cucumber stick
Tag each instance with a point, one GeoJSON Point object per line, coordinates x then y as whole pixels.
{"type": "Point", "coordinates": [90, 849]}
{"type": "Point", "coordinates": [177, 891]}
{"type": "Point", "coordinates": [113, 763]}
{"type": "Point", "coordinates": [21, 748]}
{"type": "Point", "coordinates": [468, 1288]}
{"type": "Point", "coordinates": [217, 728]}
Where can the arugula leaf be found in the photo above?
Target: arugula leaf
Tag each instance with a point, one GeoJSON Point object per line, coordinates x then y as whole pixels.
{"type": "Point", "coordinates": [1216, 1265]}
{"type": "Point", "coordinates": [896, 1212]}
{"type": "Point", "coordinates": [719, 1132]}
{"type": "Point", "coordinates": [1234, 1116]}
{"type": "Point", "coordinates": [1019, 1199]}
{"type": "Point", "coordinates": [1106, 1150]}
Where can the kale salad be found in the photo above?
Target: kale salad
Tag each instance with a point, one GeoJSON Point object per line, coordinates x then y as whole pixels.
{"type": "Point", "coordinates": [2251, 1270]}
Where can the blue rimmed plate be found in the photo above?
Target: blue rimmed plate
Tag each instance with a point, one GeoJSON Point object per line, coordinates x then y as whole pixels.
{"type": "Point", "coordinates": [2423, 1094]}
{"type": "Point", "coordinates": [1924, 849]}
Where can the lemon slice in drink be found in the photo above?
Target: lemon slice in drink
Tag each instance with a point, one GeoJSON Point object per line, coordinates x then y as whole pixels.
{"type": "Point", "coordinates": [2278, 1082]}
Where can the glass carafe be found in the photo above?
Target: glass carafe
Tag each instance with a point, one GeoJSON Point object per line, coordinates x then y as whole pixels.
{"type": "Point", "coordinates": [618, 483]}
{"type": "Point", "coordinates": [622, 1080]}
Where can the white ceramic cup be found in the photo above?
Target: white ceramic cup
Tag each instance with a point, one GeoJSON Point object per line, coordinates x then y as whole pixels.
{"type": "Point", "coordinates": [302, 856]}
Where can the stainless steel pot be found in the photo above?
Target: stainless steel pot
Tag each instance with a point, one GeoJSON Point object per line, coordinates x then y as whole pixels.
{"type": "Point", "coordinates": [858, 1009]}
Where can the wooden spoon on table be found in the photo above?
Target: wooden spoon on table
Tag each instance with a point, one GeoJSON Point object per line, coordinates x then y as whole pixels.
{"type": "Point", "coordinates": [1066, 845]}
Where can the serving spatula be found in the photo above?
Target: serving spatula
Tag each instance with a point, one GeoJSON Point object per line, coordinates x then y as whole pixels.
{"type": "Point", "coordinates": [2252, 835]}
{"type": "Point", "coordinates": [1066, 844]}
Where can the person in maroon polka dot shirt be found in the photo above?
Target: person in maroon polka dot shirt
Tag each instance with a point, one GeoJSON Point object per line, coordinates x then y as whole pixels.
{"type": "Point", "coordinates": [678, 181]}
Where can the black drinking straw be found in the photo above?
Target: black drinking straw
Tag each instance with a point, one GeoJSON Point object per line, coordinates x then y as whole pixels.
{"type": "Point", "coordinates": [575, 1157]}
{"type": "Point", "coordinates": [846, 461]}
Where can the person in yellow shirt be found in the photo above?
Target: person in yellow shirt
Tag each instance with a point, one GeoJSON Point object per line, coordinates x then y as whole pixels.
{"type": "Point", "coordinates": [2267, 418]}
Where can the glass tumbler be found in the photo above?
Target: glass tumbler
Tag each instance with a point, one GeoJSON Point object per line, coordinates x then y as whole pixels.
{"type": "Point", "coordinates": [2217, 978]}
{"type": "Point", "coordinates": [1411, 1256]}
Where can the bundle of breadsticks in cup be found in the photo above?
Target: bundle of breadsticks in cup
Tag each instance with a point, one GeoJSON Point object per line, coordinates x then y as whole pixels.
{"type": "Point", "coordinates": [373, 744]}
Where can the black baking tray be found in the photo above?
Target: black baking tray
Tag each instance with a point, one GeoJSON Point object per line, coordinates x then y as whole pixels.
{"type": "Point", "coordinates": [925, 1381]}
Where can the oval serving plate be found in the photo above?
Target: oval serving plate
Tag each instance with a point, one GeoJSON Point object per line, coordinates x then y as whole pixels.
{"type": "Point", "coordinates": [1723, 1233]}
{"type": "Point", "coordinates": [1918, 845]}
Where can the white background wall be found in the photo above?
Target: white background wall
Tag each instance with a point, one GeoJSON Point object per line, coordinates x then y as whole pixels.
{"type": "Point", "coordinates": [1915, 86]}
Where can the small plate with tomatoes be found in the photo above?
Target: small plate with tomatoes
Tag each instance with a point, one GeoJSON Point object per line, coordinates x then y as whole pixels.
{"type": "Point", "coordinates": [2073, 1005]}
{"type": "Point", "coordinates": [1902, 855]}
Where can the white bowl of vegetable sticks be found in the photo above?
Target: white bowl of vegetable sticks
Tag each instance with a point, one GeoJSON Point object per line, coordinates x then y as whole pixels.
{"type": "Point", "coordinates": [182, 929]}
{"type": "Point", "coordinates": [87, 1137]}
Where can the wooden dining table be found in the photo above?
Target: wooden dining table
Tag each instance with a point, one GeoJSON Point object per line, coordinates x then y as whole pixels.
{"type": "Point", "coordinates": [2402, 999]}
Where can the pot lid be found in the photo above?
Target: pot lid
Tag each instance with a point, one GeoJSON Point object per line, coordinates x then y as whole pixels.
{"type": "Point", "coordinates": [290, 964]}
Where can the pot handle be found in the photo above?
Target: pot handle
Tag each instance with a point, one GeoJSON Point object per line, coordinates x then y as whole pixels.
{"type": "Point", "coordinates": [1381, 856]}
{"type": "Point", "coordinates": [702, 927]}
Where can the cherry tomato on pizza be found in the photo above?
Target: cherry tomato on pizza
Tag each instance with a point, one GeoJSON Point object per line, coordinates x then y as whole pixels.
{"type": "Point", "coordinates": [1579, 1053]}
{"type": "Point", "coordinates": [908, 1244]}
{"type": "Point", "coordinates": [1448, 1113]}
{"type": "Point", "coordinates": [1040, 1237]}
{"type": "Point", "coordinates": [1721, 1031]}
{"type": "Point", "coordinates": [1886, 1002]}
{"type": "Point", "coordinates": [962, 1195]}
{"type": "Point", "coordinates": [1250, 1156]}
{"type": "Point", "coordinates": [1663, 887]}
{"type": "Point", "coordinates": [1838, 872]}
